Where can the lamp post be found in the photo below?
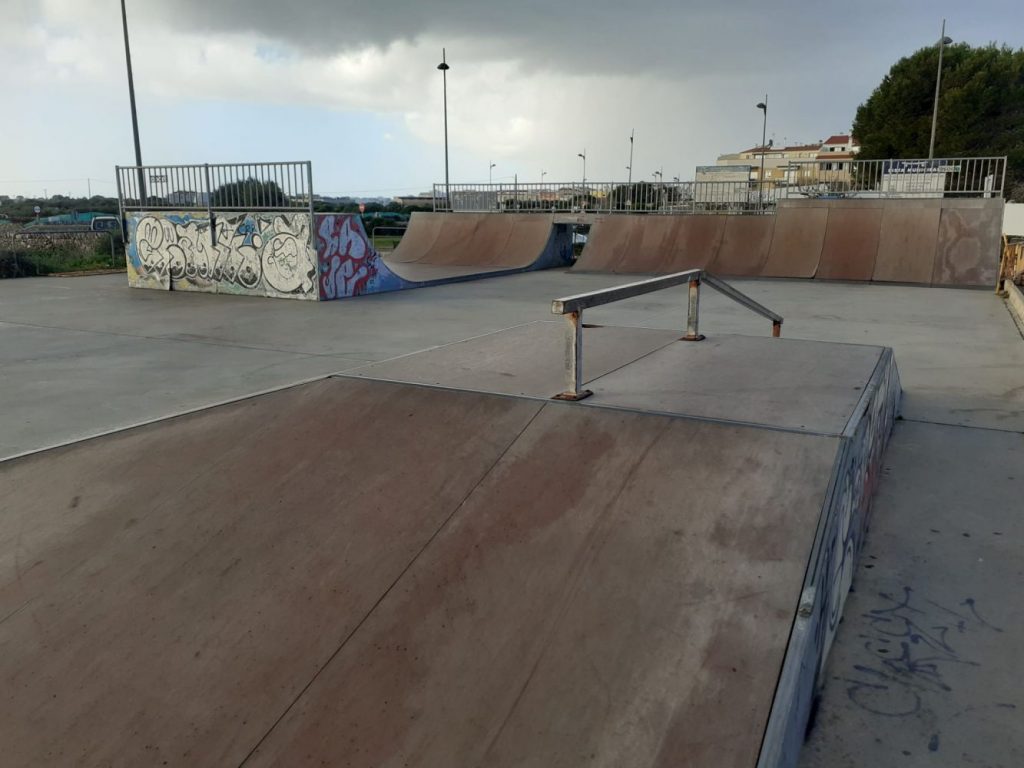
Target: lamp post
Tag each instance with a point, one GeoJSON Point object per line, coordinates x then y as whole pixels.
{"type": "Point", "coordinates": [943, 42]}
{"type": "Point", "coordinates": [542, 175]}
{"type": "Point", "coordinates": [630, 166]}
{"type": "Point", "coordinates": [490, 174]}
{"type": "Point", "coordinates": [583, 155]}
{"type": "Point", "coordinates": [443, 66]}
{"type": "Point", "coordinates": [131, 99]}
{"type": "Point", "coordinates": [763, 106]}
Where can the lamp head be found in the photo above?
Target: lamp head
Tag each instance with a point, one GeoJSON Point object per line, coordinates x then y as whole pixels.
{"type": "Point", "coordinates": [946, 41]}
{"type": "Point", "coordinates": [443, 66]}
{"type": "Point", "coordinates": [762, 106]}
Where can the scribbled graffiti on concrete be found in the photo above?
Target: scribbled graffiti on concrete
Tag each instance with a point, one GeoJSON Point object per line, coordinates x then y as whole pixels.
{"type": "Point", "coordinates": [260, 254]}
{"type": "Point", "coordinates": [349, 264]}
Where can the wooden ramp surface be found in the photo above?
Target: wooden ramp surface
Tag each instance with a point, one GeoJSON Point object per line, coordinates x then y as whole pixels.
{"type": "Point", "coordinates": [365, 573]}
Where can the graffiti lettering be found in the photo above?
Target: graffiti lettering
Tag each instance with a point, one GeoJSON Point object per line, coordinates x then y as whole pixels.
{"type": "Point", "coordinates": [261, 254]}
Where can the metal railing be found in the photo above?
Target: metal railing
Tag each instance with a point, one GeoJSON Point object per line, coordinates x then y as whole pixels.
{"type": "Point", "coordinates": [388, 233]}
{"type": "Point", "coordinates": [916, 178]}
{"type": "Point", "coordinates": [571, 308]}
{"type": "Point", "coordinates": [824, 177]}
{"type": "Point", "coordinates": [283, 186]}
{"type": "Point", "coordinates": [605, 197]}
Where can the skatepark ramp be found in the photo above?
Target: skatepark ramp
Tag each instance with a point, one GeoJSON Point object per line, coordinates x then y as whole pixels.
{"type": "Point", "coordinates": [251, 229]}
{"type": "Point", "coordinates": [403, 569]}
{"type": "Point", "coordinates": [947, 241]}
{"type": "Point", "coordinates": [436, 249]}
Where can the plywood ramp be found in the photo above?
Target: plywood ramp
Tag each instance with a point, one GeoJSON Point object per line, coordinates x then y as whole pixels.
{"type": "Point", "coordinates": [612, 240]}
{"type": "Point", "coordinates": [744, 247]}
{"type": "Point", "coordinates": [907, 241]}
{"type": "Point", "coordinates": [797, 240]}
{"type": "Point", "coordinates": [372, 574]}
{"type": "Point", "coordinates": [969, 243]}
{"type": "Point", "coordinates": [851, 242]}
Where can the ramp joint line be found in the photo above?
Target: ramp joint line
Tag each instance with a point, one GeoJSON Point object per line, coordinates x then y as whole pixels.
{"type": "Point", "coordinates": [571, 308]}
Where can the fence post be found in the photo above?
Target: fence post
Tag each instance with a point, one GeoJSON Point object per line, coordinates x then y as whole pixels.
{"type": "Point", "coordinates": [693, 313]}
{"type": "Point", "coordinates": [574, 359]}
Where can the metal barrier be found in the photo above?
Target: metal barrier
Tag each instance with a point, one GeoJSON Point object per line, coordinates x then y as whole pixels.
{"type": "Point", "coordinates": [916, 178]}
{"type": "Point", "coordinates": [391, 232]}
{"type": "Point", "coordinates": [604, 197]}
{"type": "Point", "coordinates": [823, 177]}
{"type": "Point", "coordinates": [280, 186]}
{"type": "Point", "coordinates": [571, 307]}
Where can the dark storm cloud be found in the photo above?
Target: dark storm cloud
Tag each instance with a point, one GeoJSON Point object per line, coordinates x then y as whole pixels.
{"type": "Point", "coordinates": [603, 36]}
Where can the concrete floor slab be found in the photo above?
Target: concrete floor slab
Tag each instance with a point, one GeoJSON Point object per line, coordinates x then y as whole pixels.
{"type": "Point", "coordinates": [926, 666]}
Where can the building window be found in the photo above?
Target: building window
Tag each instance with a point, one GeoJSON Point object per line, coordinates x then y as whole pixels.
{"type": "Point", "coordinates": [839, 166]}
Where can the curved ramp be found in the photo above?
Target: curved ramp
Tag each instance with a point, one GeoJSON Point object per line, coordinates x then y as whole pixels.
{"type": "Point", "coordinates": [651, 243]}
{"type": "Point", "coordinates": [437, 248]}
{"type": "Point", "coordinates": [796, 242]}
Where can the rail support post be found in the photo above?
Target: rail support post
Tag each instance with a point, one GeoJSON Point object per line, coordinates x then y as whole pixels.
{"type": "Point", "coordinates": [574, 359]}
{"type": "Point", "coordinates": [693, 313]}
{"type": "Point", "coordinates": [776, 328]}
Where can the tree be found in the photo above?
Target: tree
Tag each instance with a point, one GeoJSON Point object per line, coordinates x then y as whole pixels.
{"type": "Point", "coordinates": [250, 192]}
{"type": "Point", "coordinates": [981, 108]}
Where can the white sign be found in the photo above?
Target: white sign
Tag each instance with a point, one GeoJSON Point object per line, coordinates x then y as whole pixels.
{"type": "Point", "coordinates": [157, 178]}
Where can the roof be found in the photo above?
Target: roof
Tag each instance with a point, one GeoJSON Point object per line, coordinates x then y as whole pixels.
{"type": "Point", "coordinates": [791, 148]}
{"type": "Point", "coordinates": [841, 138]}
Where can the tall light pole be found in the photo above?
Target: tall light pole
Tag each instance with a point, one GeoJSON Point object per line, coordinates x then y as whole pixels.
{"type": "Point", "coordinates": [542, 175]}
{"type": "Point", "coordinates": [443, 66]}
{"type": "Point", "coordinates": [943, 42]}
{"type": "Point", "coordinates": [131, 99]}
{"type": "Point", "coordinates": [490, 173]}
{"type": "Point", "coordinates": [763, 106]}
{"type": "Point", "coordinates": [630, 166]}
{"type": "Point", "coordinates": [583, 155]}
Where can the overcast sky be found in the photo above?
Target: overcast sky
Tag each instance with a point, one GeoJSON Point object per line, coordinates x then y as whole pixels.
{"type": "Point", "coordinates": [353, 86]}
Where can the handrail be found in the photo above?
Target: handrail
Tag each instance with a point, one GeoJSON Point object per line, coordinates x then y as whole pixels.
{"type": "Point", "coordinates": [571, 307]}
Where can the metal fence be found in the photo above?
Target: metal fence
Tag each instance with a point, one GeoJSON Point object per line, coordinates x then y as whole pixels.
{"type": "Point", "coordinates": [820, 178]}
{"type": "Point", "coordinates": [283, 186]}
{"type": "Point", "coordinates": [606, 197]}
{"type": "Point", "coordinates": [916, 178]}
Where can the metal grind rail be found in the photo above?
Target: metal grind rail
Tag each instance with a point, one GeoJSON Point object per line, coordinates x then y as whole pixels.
{"type": "Point", "coordinates": [571, 307]}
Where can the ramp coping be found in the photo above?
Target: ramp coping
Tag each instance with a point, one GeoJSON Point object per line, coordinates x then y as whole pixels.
{"type": "Point", "coordinates": [571, 307]}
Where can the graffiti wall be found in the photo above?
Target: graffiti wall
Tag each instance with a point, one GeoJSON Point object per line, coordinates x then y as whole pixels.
{"type": "Point", "coordinates": [246, 253]}
{"type": "Point", "coordinates": [839, 540]}
{"type": "Point", "coordinates": [348, 263]}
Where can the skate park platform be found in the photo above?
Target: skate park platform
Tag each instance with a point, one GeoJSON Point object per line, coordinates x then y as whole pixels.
{"type": "Point", "coordinates": [433, 563]}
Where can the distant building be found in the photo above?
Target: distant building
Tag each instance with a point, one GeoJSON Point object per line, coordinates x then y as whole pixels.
{"type": "Point", "coordinates": [722, 184]}
{"type": "Point", "coordinates": [828, 161]}
{"type": "Point", "coordinates": [422, 200]}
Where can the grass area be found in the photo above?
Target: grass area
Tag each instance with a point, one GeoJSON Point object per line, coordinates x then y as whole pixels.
{"type": "Point", "coordinates": [386, 242]}
{"type": "Point", "coordinates": [25, 263]}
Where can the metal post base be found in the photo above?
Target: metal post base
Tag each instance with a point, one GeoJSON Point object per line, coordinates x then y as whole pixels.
{"type": "Point", "coordinates": [689, 337]}
{"type": "Point", "coordinates": [574, 396]}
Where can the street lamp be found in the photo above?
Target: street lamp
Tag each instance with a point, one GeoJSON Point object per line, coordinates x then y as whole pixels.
{"type": "Point", "coordinates": [943, 42]}
{"type": "Point", "coordinates": [131, 99]}
{"type": "Point", "coordinates": [583, 154]}
{"type": "Point", "coordinates": [490, 176]}
{"type": "Point", "coordinates": [630, 166]}
{"type": "Point", "coordinates": [763, 106]}
{"type": "Point", "coordinates": [542, 175]}
{"type": "Point", "coordinates": [443, 66]}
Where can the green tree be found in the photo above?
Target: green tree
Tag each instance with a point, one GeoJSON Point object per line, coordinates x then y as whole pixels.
{"type": "Point", "coordinates": [981, 108]}
{"type": "Point", "coordinates": [250, 192]}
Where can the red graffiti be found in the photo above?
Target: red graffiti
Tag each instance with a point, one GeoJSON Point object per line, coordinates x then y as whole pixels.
{"type": "Point", "coordinates": [348, 263]}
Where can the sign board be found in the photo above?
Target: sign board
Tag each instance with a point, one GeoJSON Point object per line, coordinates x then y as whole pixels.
{"type": "Point", "coordinates": [37, 210]}
{"type": "Point", "coordinates": [157, 178]}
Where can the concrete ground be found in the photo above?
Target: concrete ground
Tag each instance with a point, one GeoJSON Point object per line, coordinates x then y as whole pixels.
{"type": "Point", "coordinates": [925, 669]}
